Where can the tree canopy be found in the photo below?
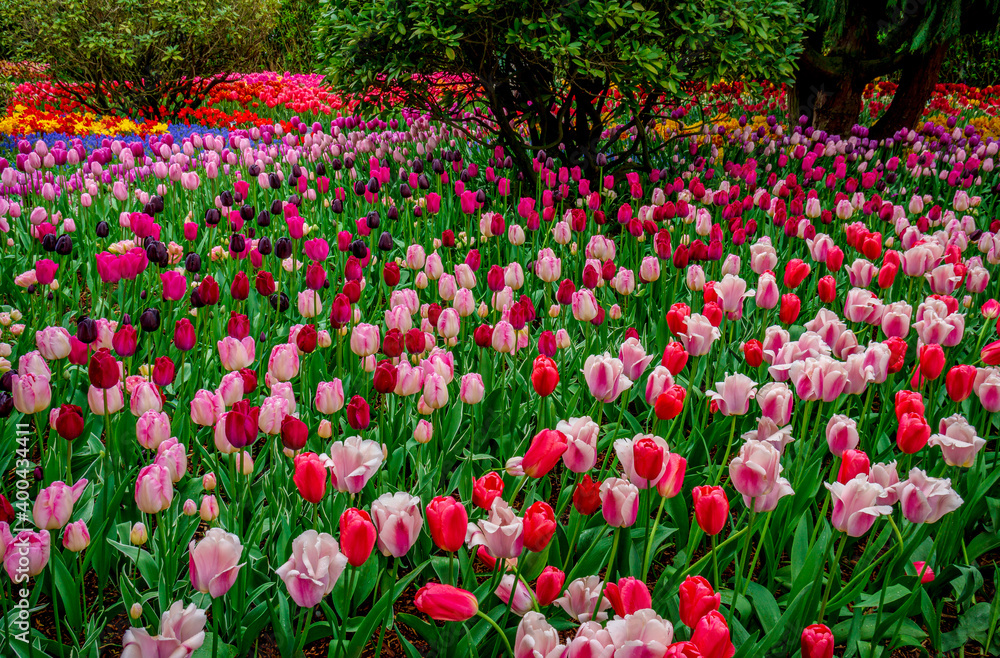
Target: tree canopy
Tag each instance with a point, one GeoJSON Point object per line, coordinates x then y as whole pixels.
{"type": "Point", "coordinates": [587, 75]}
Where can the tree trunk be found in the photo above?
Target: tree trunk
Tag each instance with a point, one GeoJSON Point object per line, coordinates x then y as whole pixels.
{"type": "Point", "coordinates": [829, 102]}
{"type": "Point", "coordinates": [916, 84]}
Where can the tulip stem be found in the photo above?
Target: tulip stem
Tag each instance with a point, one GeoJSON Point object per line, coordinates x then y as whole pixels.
{"type": "Point", "coordinates": [216, 613]}
{"type": "Point", "coordinates": [829, 584]}
{"type": "Point", "coordinates": [646, 557]}
{"type": "Point", "coordinates": [499, 630]}
{"type": "Point", "coordinates": [513, 590]}
{"type": "Point", "coordinates": [743, 557]}
{"type": "Point", "coordinates": [608, 574]}
{"type": "Point", "coordinates": [729, 447]}
{"type": "Point", "coordinates": [715, 565]}
{"type": "Point", "coordinates": [756, 553]}
{"type": "Point", "coordinates": [55, 609]}
{"type": "Point", "coordinates": [573, 538]}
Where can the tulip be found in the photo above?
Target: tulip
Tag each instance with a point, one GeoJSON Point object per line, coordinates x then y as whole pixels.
{"type": "Point", "coordinates": [27, 553]}
{"type": "Point", "coordinates": [214, 562]}
{"type": "Point", "coordinates": [711, 634]}
{"type": "Point", "coordinates": [549, 585]}
{"type": "Point", "coordinates": [357, 536]}
{"type": "Point", "coordinates": [959, 382]}
{"type": "Point", "coordinates": [841, 434]}
{"type": "Point", "coordinates": [502, 532]}
{"type": "Point", "coordinates": [711, 508]}
{"type": "Point", "coordinates": [536, 638]}
{"type": "Point", "coordinates": [924, 572]}
{"type": "Point", "coordinates": [154, 489]}
{"type": "Point", "coordinates": [446, 603]}
{"type": "Point", "coordinates": [817, 641]}
{"type": "Point", "coordinates": [619, 502]}
{"type": "Point", "coordinates": [643, 633]}
{"type": "Point", "coordinates": [605, 377]}
{"type": "Point", "coordinates": [539, 526]}
{"type": "Point", "coordinates": [580, 600]}
{"type": "Point", "coordinates": [398, 522]}
{"type": "Point", "coordinates": [284, 362]}
{"type": "Point", "coordinates": [138, 535]}
{"type": "Point", "coordinates": [294, 433]}
{"type": "Point", "coordinates": [697, 599]}
{"type": "Point", "coordinates": [31, 392]}
{"type": "Point", "coordinates": [313, 569]}
{"type": "Point", "coordinates": [358, 413]}
{"type": "Point", "coordinates": [69, 421]}
{"type": "Point", "coordinates": [76, 537]}
{"type": "Point", "coordinates": [755, 469]}
{"type": "Point", "coordinates": [913, 432]}
{"type": "Point", "coordinates": [486, 489]}
{"type": "Point", "coordinates": [182, 632]}
{"type": "Point", "coordinates": [447, 520]}
{"type": "Point", "coordinates": [734, 394]}
{"type": "Point", "coordinates": [53, 343]}
{"type": "Point", "coordinates": [628, 596]}
{"type": "Point", "coordinates": [544, 375]}
{"type": "Point", "coordinates": [856, 505]}
{"type": "Point", "coordinates": [926, 499]}
{"type": "Point", "coordinates": [852, 463]}
{"type": "Point", "coordinates": [957, 440]}
{"type": "Point", "coordinates": [544, 452]}
{"type": "Point", "coordinates": [54, 505]}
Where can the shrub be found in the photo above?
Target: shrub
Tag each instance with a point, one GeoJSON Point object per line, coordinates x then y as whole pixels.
{"type": "Point", "coordinates": [147, 58]}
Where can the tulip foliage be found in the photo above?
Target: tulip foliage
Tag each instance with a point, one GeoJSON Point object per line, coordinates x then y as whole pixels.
{"type": "Point", "coordinates": [343, 390]}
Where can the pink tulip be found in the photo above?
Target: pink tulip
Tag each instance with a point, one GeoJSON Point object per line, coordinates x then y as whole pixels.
{"type": "Point", "coordinates": [605, 377]}
{"type": "Point", "coordinates": [365, 340]}
{"type": "Point", "coordinates": [53, 343]}
{"type": "Point", "coordinates": [856, 505]}
{"type": "Point", "coordinates": [154, 490]}
{"type": "Point", "coordinates": [214, 562]}
{"type": "Point", "coordinates": [76, 536]}
{"type": "Point", "coordinates": [313, 569]}
{"type": "Point", "coordinates": [353, 462]}
{"type": "Point", "coordinates": [841, 434]}
{"type": "Point", "coordinates": [284, 362]}
{"type": "Point", "coordinates": [26, 553]}
{"type": "Point", "coordinates": [398, 522]}
{"type": "Point", "coordinates": [502, 532]}
{"type": "Point", "coordinates": [329, 397]}
{"type": "Point", "coordinates": [755, 470]}
{"type": "Point", "coordinates": [54, 505]}
{"type": "Point", "coordinates": [958, 441]}
{"type": "Point", "coordinates": [206, 408]}
{"type": "Point", "coordinates": [236, 354]}
{"type": "Point", "coordinates": [581, 597]}
{"type": "Point", "coordinates": [775, 401]}
{"type": "Point", "coordinates": [536, 638]}
{"type": "Point", "coordinates": [700, 335]}
{"type": "Point", "coordinates": [522, 594]}
{"type": "Point", "coordinates": [619, 502]}
{"type": "Point", "coordinates": [634, 359]}
{"type": "Point", "coordinates": [96, 398]}
{"type": "Point", "coordinates": [471, 390]}
{"type": "Point", "coordinates": [734, 394]}
{"type": "Point", "coordinates": [581, 443]}
{"type": "Point", "coordinates": [926, 499]}
{"type": "Point", "coordinates": [32, 393]}
{"type": "Point", "coordinates": [172, 455]}
{"type": "Point", "coordinates": [145, 397]}
{"type": "Point", "coordinates": [642, 633]}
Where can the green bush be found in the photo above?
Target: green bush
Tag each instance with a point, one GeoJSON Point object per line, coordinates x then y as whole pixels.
{"type": "Point", "coordinates": [549, 66]}
{"type": "Point", "coordinates": [974, 60]}
{"type": "Point", "coordinates": [147, 58]}
{"type": "Point", "coordinates": [291, 45]}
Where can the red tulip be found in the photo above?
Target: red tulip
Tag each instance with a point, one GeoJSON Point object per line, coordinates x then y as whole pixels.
{"type": "Point", "coordinates": [628, 595]}
{"type": "Point", "coordinates": [539, 526]}
{"type": "Point", "coordinates": [697, 600]}
{"type": "Point", "coordinates": [711, 508]}
{"type": "Point", "coordinates": [897, 348]}
{"type": "Point", "coordinates": [544, 375]}
{"type": "Point", "coordinates": [294, 433]}
{"type": "Point", "coordinates": [913, 432]}
{"type": "Point", "coordinates": [486, 489]}
{"type": "Point", "coordinates": [163, 371]}
{"type": "Point", "coordinates": [796, 272]}
{"type": "Point", "coordinates": [853, 463]}
{"type": "Point", "coordinates": [357, 536]}
{"type": "Point", "coordinates": [103, 369]}
{"type": "Point", "coordinates": [907, 402]}
{"type": "Point", "coordinates": [125, 341]}
{"type": "Point", "coordinates": [184, 336]}
{"type": "Point", "coordinates": [545, 450]}
{"type": "Point", "coordinates": [240, 288]}
{"type": "Point", "coordinates": [358, 413]}
{"type": "Point", "coordinates": [208, 290]}
{"type": "Point", "coordinates": [647, 458]}
{"type": "Point", "coordinates": [587, 496]}
{"type": "Point", "coordinates": [753, 352]}
{"type": "Point", "coordinates": [306, 339]}
{"type": "Point", "coordinates": [675, 357]}
{"type": "Point", "coordinates": [677, 318]}
{"type": "Point", "coordinates": [959, 380]}
{"type": "Point", "coordinates": [446, 603]}
{"type": "Point", "coordinates": [991, 353]}
{"type": "Point", "coordinates": [670, 403]}
{"type": "Point", "coordinates": [385, 377]}
{"type": "Point", "coordinates": [817, 641]}
{"type": "Point", "coordinates": [826, 289]}
{"type": "Point", "coordinates": [711, 634]}
{"type": "Point", "coordinates": [310, 476]}
{"type": "Point", "coordinates": [447, 521]}
{"type": "Point", "coordinates": [69, 422]}
{"type": "Point", "coordinates": [264, 283]}
{"type": "Point", "coordinates": [790, 307]}
{"type": "Point", "coordinates": [549, 585]}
